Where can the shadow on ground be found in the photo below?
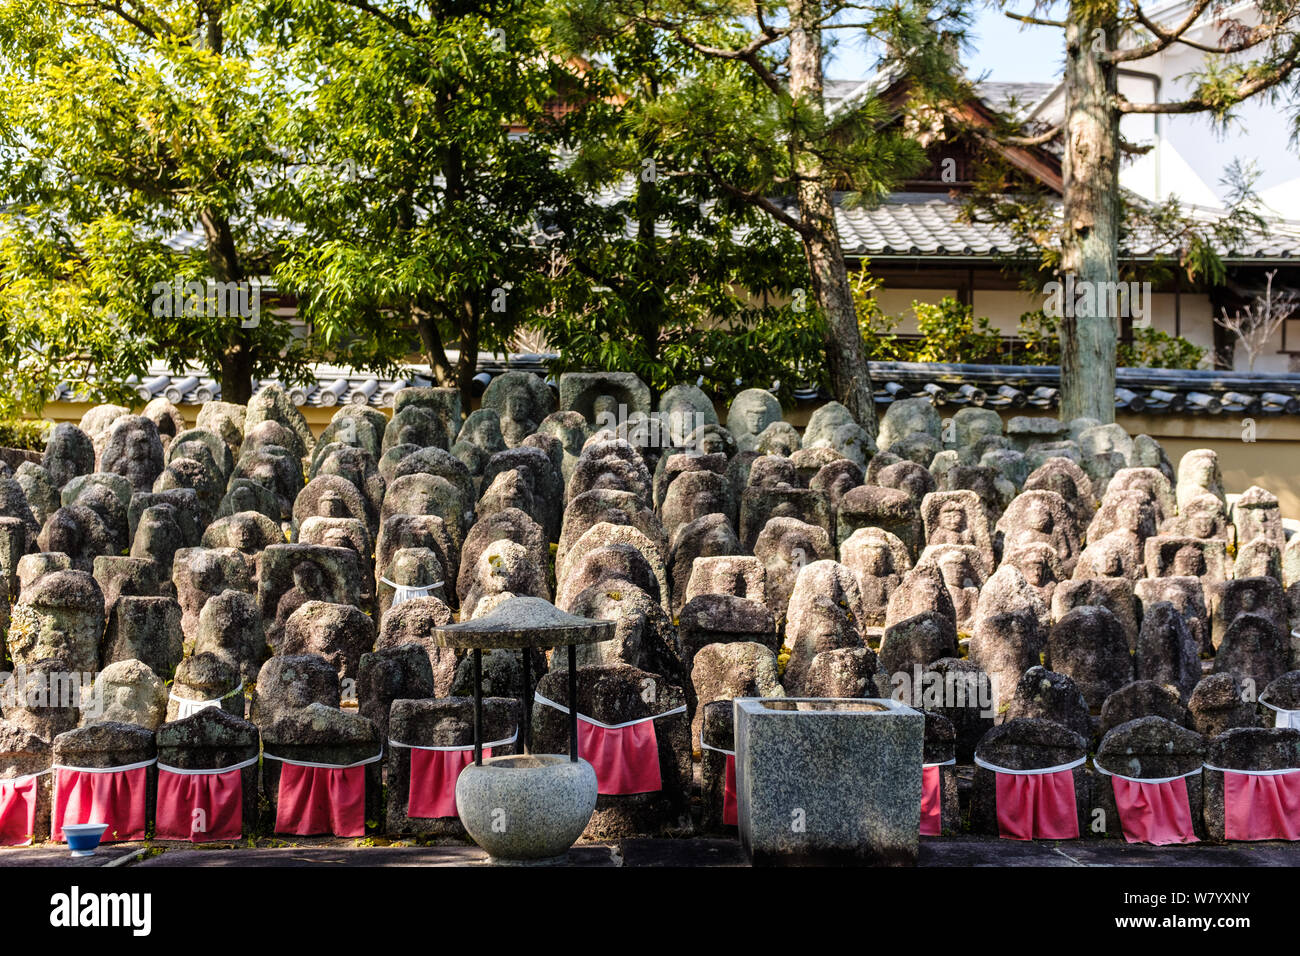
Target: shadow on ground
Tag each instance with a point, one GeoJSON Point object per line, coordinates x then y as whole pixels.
{"type": "Point", "coordinates": [935, 852]}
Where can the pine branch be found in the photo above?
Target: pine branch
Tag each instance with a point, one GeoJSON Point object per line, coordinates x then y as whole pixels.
{"type": "Point", "coordinates": [1163, 38]}
{"type": "Point", "coordinates": [747, 54]}
{"type": "Point", "coordinates": [1279, 73]}
{"type": "Point", "coordinates": [1045, 137]}
{"type": "Point", "coordinates": [1036, 21]}
{"type": "Point", "coordinates": [757, 199]}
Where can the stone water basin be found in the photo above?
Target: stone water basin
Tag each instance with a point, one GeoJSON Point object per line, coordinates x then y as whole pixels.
{"type": "Point", "coordinates": [828, 781]}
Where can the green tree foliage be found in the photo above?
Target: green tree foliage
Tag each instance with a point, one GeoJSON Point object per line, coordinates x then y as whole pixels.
{"type": "Point", "coordinates": [1040, 335]}
{"type": "Point", "coordinates": [744, 115]}
{"type": "Point", "coordinates": [28, 434]}
{"type": "Point", "coordinates": [63, 316]}
{"type": "Point", "coordinates": [123, 126]}
{"type": "Point", "coordinates": [949, 329]}
{"type": "Point", "coordinates": [431, 220]}
{"type": "Point", "coordinates": [1150, 347]}
{"type": "Point", "coordinates": [1155, 348]}
{"type": "Point", "coordinates": [668, 278]}
{"type": "Point", "coordinates": [877, 326]}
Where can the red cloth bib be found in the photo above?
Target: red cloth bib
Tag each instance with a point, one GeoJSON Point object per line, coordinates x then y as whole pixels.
{"type": "Point", "coordinates": [1261, 806]}
{"type": "Point", "coordinates": [626, 759]}
{"type": "Point", "coordinates": [1158, 813]}
{"type": "Point", "coordinates": [116, 797]}
{"type": "Point", "coordinates": [1037, 806]}
{"type": "Point", "coordinates": [321, 800]}
{"type": "Point", "coordinates": [18, 810]}
{"type": "Point", "coordinates": [931, 808]}
{"type": "Point", "coordinates": [200, 806]}
{"type": "Point", "coordinates": [729, 815]}
{"type": "Point", "coordinates": [432, 791]}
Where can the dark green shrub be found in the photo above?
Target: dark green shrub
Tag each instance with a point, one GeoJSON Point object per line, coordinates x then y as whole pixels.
{"type": "Point", "coordinates": [25, 433]}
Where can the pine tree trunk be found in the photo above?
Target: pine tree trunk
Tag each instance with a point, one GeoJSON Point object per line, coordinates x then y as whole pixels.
{"type": "Point", "coordinates": [1091, 226]}
{"type": "Point", "coordinates": [645, 306]}
{"type": "Point", "coordinates": [845, 358]}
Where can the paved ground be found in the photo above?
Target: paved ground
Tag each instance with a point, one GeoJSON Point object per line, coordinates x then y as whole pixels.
{"type": "Point", "coordinates": [51, 854]}
{"type": "Point", "coordinates": [944, 852]}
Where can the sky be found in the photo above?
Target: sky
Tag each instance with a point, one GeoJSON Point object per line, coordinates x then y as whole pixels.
{"type": "Point", "coordinates": [998, 46]}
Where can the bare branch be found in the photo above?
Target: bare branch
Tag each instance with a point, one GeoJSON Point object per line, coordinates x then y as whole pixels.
{"type": "Point", "coordinates": [115, 8]}
{"type": "Point", "coordinates": [1256, 324]}
{"type": "Point", "coordinates": [397, 23]}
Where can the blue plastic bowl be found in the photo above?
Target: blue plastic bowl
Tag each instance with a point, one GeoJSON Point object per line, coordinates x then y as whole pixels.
{"type": "Point", "coordinates": [83, 838]}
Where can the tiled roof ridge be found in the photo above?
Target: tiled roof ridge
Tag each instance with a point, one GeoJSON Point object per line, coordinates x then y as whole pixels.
{"type": "Point", "coordinates": [1194, 391]}
{"type": "Point", "coordinates": [919, 224]}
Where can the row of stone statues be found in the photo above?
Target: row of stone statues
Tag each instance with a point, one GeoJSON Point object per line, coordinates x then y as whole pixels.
{"type": "Point", "coordinates": [245, 556]}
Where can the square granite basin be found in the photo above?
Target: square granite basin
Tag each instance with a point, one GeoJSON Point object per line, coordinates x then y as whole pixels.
{"type": "Point", "coordinates": [828, 781]}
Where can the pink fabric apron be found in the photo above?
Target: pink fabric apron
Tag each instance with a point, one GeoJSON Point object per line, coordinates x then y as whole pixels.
{"type": "Point", "coordinates": [625, 756]}
{"type": "Point", "coordinates": [931, 798]}
{"type": "Point", "coordinates": [729, 812]}
{"type": "Point", "coordinates": [1036, 804]}
{"type": "Point", "coordinates": [321, 798]}
{"type": "Point", "coordinates": [729, 815]}
{"type": "Point", "coordinates": [431, 792]}
{"type": "Point", "coordinates": [114, 795]}
{"type": "Point", "coordinates": [1155, 811]}
{"type": "Point", "coordinates": [1260, 805]}
{"type": "Point", "coordinates": [200, 805]}
{"type": "Point", "coordinates": [626, 759]}
{"type": "Point", "coordinates": [18, 809]}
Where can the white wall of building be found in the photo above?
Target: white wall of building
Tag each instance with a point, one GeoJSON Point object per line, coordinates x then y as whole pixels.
{"type": "Point", "coordinates": [1191, 154]}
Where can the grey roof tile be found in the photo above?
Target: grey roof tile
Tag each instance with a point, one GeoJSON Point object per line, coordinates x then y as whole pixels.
{"type": "Point", "coordinates": [949, 385]}
{"type": "Point", "coordinates": [931, 224]}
